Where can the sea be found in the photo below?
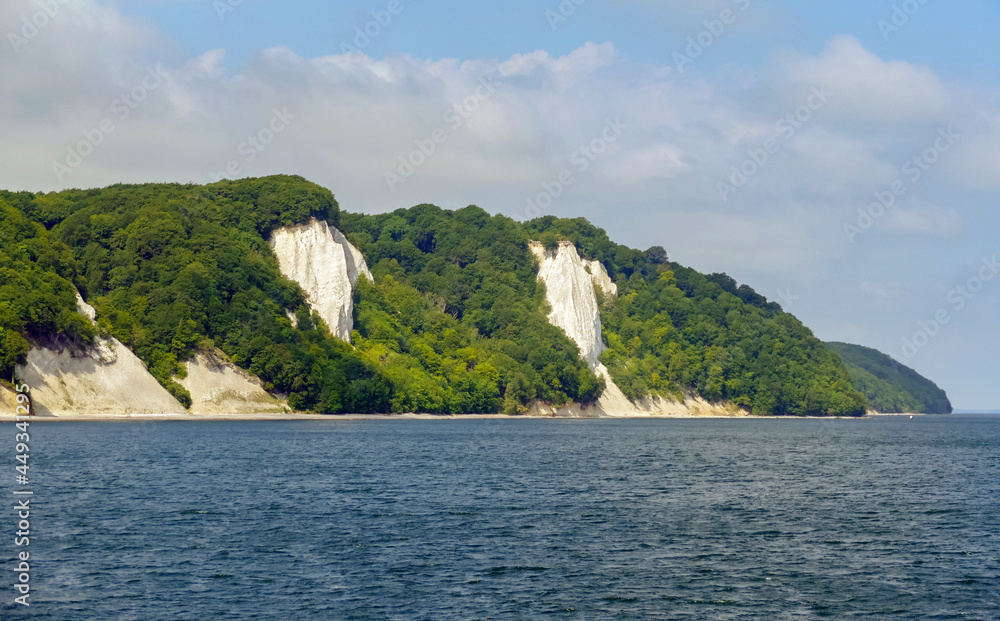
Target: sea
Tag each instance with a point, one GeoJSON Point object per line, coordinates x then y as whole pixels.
{"type": "Point", "coordinates": [877, 518]}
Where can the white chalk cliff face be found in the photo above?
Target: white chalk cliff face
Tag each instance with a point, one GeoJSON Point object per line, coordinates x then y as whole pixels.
{"type": "Point", "coordinates": [8, 401]}
{"type": "Point", "coordinates": [320, 259]}
{"type": "Point", "coordinates": [570, 284]}
{"type": "Point", "coordinates": [218, 386]}
{"type": "Point", "coordinates": [108, 380]}
{"type": "Point", "coordinates": [569, 290]}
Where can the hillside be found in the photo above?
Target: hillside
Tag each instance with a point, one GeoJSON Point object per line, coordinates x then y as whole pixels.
{"type": "Point", "coordinates": [37, 296]}
{"type": "Point", "coordinates": [175, 269]}
{"type": "Point", "coordinates": [890, 386]}
{"type": "Point", "coordinates": [453, 316]}
{"type": "Point", "coordinates": [671, 330]}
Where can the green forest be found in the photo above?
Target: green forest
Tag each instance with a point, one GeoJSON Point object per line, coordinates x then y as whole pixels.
{"type": "Point", "coordinates": [37, 299]}
{"type": "Point", "coordinates": [171, 268]}
{"type": "Point", "coordinates": [457, 316]}
{"type": "Point", "coordinates": [454, 322]}
{"type": "Point", "coordinates": [890, 386]}
{"type": "Point", "coordinates": [672, 330]}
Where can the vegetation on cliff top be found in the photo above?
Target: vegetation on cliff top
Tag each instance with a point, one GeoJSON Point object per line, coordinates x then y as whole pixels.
{"type": "Point", "coordinates": [173, 267]}
{"type": "Point", "coordinates": [458, 313]}
{"type": "Point", "coordinates": [454, 322]}
{"type": "Point", "coordinates": [37, 299]}
{"type": "Point", "coordinates": [672, 331]}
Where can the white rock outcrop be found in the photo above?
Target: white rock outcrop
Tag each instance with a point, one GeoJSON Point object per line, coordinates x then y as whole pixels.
{"type": "Point", "coordinates": [570, 290]}
{"type": "Point", "coordinates": [320, 259]}
{"type": "Point", "coordinates": [8, 401]}
{"type": "Point", "coordinates": [218, 386]}
{"type": "Point", "coordinates": [107, 380]}
{"type": "Point", "coordinates": [67, 383]}
{"type": "Point", "coordinates": [85, 309]}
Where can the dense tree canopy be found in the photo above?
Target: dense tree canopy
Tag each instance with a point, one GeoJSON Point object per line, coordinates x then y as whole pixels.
{"type": "Point", "coordinates": [889, 385]}
{"type": "Point", "coordinates": [37, 299]}
{"type": "Point", "coordinates": [455, 320]}
{"type": "Point", "coordinates": [462, 286]}
{"type": "Point", "coordinates": [171, 268]}
{"type": "Point", "coordinates": [672, 331]}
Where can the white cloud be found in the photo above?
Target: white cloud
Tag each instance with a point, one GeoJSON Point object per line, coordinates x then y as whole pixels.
{"type": "Point", "coordinates": [865, 87]}
{"type": "Point", "coordinates": [737, 243]}
{"type": "Point", "coordinates": [976, 161]}
{"type": "Point", "coordinates": [355, 117]}
{"type": "Point", "coordinates": [930, 220]}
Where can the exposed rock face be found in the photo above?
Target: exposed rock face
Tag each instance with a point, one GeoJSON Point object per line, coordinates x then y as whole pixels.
{"type": "Point", "coordinates": [326, 266]}
{"type": "Point", "coordinates": [8, 401]}
{"type": "Point", "coordinates": [217, 386]}
{"type": "Point", "coordinates": [570, 290]}
{"type": "Point", "coordinates": [85, 309]}
{"type": "Point", "coordinates": [108, 380]}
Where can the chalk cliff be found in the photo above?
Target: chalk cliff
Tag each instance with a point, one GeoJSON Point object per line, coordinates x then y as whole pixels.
{"type": "Point", "coordinates": [570, 290]}
{"type": "Point", "coordinates": [8, 401]}
{"type": "Point", "coordinates": [217, 386]}
{"type": "Point", "coordinates": [107, 380]}
{"type": "Point", "coordinates": [326, 266]}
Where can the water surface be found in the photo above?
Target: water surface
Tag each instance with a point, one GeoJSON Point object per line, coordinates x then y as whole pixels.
{"type": "Point", "coordinates": [885, 518]}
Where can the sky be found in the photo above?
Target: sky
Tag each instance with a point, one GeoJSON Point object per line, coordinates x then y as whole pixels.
{"type": "Point", "coordinates": [841, 157]}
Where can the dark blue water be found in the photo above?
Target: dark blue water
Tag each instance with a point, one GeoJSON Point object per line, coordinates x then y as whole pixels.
{"type": "Point", "coordinates": [514, 519]}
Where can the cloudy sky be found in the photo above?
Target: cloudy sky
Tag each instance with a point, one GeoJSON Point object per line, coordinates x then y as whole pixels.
{"type": "Point", "coordinates": [842, 157]}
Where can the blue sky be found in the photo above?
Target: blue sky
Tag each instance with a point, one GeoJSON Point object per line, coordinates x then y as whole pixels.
{"type": "Point", "coordinates": [958, 37]}
{"type": "Point", "coordinates": [821, 108]}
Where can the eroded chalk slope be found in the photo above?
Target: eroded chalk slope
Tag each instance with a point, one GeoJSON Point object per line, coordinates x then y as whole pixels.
{"type": "Point", "coordinates": [320, 259]}
{"type": "Point", "coordinates": [570, 289]}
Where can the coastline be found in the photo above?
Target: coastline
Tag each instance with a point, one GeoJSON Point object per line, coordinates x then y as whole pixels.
{"type": "Point", "coordinates": [9, 418]}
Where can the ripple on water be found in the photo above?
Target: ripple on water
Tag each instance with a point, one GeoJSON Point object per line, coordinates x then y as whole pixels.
{"type": "Point", "coordinates": [664, 519]}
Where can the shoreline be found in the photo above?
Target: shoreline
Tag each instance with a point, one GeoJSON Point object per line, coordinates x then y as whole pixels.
{"type": "Point", "coordinates": [101, 418]}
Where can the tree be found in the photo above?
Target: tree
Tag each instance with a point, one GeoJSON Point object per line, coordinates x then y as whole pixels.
{"type": "Point", "coordinates": [656, 255]}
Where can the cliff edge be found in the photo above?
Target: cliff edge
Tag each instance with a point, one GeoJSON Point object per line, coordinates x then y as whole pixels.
{"type": "Point", "coordinates": [320, 259]}
{"type": "Point", "coordinates": [570, 289]}
{"type": "Point", "coordinates": [218, 386]}
{"type": "Point", "coordinates": [104, 380]}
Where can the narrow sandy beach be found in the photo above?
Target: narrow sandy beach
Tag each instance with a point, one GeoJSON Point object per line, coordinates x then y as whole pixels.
{"type": "Point", "coordinates": [7, 418]}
